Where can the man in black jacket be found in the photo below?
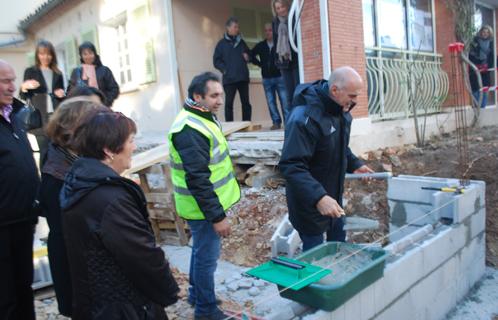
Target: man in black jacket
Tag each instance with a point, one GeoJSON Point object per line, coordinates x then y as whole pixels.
{"type": "Point", "coordinates": [18, 187]}
{"type": "Point", "coordinates": [272, 79]}
{"type": "Point", "coordinates": [316, 155]}
{"type": "Point", "coordinates": [230, 58]}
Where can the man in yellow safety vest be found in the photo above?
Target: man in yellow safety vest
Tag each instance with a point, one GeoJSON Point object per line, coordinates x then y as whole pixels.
{"type": "Point", "coordinates": [204, 186]}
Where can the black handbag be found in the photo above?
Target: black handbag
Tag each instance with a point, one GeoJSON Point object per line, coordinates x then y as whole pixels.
{"type": "Point", "coordinates": [30, 116]}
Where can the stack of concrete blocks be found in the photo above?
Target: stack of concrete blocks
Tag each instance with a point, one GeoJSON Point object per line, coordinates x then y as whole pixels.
{"type": "Point", "coordinates": [285, 240]}
{"type": "Point", "coordinates": [425, 281]}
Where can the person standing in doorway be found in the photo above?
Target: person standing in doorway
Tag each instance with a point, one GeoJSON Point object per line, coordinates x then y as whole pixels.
{"type": "Point", "coordinates": [287, 60]}
{"type": "Point", "coordinates": [43, 86]}
{"type": "Point", "coordinates": [230, 58]}
{"type": "Point", "coordinates": [204, 186]}
{"type": "Point", "coordinates": [264, 56]}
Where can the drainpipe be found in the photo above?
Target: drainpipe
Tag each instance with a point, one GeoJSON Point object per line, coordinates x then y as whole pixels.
{"type": "Point", "coordinates": [324, 27]}
{"type": "Point", "coordinates": [295, 13]}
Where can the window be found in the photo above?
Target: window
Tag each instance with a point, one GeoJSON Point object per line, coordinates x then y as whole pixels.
{"type": "Point", "coordinates": [123, 55]}
{"type": "Point", "coordinates": [398, 24]}
{"type": "Point", "coordinates": [369, 23]}
{"type": "Point", "coordinates": [128, 47]}
{"type": "Point", "coordinates": [252, 22]}
{"type": "Point", "coordinates": [420, 18]}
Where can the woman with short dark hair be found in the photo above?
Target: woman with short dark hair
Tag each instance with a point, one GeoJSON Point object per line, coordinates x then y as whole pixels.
{"type": "Point", "coordinates": [60, 157]}
{"type": "Point", "coordinates": [117, 271]}
{"type": "Point", "coordinates": [94, 74]}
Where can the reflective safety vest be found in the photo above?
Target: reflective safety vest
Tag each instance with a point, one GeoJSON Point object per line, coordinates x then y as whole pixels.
{"type": "Point", "coordinates": [222, 174]}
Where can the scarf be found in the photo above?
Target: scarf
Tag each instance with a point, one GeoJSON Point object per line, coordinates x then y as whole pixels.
{"type": "Point", "coordinates": [5, 111]}
{"type": "Point", "coordinates": [194, 105]}
{"type": "Point", "coordinates": [90, 75]}
{"type": "Point", "coordinates": [235, 39]}
{"type": "Point", "coordinates": [283, 44]}
{"type": "Point", "coordinates": [484, 48]}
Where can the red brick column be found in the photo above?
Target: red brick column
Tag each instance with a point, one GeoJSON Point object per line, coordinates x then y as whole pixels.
{"type": "Point", "coordinates": [346, 43]}
{"type": "Point", "coordinates": [445, 34]}
{"type": "Point", "coordinates": [311, 38]}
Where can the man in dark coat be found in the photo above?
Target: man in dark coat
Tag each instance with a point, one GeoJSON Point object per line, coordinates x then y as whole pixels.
{"type": "Point", "coordinates": [230, 58]}
{"type": "Point", "coordinates": [18, 186]}
{"type": "Point", "coordinates": [264, 56]}
{"type": "Point", "coordinates": [316, 155]}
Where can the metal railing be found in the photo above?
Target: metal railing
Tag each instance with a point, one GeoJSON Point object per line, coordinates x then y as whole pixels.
{"type": "Point", "coordinates": [392, 73]}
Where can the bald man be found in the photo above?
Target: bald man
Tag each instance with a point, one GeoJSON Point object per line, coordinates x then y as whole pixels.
{"type": "Point", "coordinates": [316, 155]}
{"type": "Point", "coordinates": [18, 187]}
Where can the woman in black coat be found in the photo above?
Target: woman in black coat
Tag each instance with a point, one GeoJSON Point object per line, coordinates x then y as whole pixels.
{"type": "Point", "coordinates": [93, 73]}
{"type": "Point", "coordinates": [59, 160]}
{"type": "Point", "coordinates": [117, 270]}
{"type": "Point", "coordinates": [43, 85]}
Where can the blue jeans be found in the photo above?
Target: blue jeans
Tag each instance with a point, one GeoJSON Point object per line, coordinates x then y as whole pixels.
{"type": "Point", "coordinates": [205, 253]}
{"type": "Point", "coordinates": [272, 85]}
{"type": "Point", "coordinates": [335, 232]}
{"type": "Point", "coordinates": [484, 98]}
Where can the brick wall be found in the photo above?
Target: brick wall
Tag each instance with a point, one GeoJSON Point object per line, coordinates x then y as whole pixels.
{"type": "Point", "coordinates": [311, 41]}
{"type": "Point", "coordinates": [346, 43]}
{"type": "Point", "coordinates": [445, 34]}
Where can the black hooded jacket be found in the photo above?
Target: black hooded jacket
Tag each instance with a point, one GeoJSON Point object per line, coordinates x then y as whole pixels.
{"type": "Point", "coordinates": [19, 176]}
{"type": "Point", "coordinates": [117, 271]}
{"type": "Point", "coordinates": [315, 156]}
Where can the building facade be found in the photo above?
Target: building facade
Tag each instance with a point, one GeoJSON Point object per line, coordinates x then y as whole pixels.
{"type": "Point", "coordinates": [155, 47]}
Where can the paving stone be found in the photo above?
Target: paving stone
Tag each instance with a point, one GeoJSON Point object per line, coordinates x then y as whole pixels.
{"type": "Point", "coordinates": [233, 286]}
{"type": "Point", "coordinates": [245, 284]}
{"type": "Point", "coordinates": [254, 291]}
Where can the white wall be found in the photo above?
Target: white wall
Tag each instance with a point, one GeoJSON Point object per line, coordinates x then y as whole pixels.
{"type": "Point", "coordinates": [152, 105]}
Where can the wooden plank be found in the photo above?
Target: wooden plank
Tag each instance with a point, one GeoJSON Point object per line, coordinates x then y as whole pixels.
{"type": "Point", "coordinates": [231, 127]}
{"type": "Point", "coordinates": [160, 153]}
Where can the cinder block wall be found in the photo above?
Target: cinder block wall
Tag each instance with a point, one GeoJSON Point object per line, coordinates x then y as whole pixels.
{"type": "Point", "coordinates": [427, 281]}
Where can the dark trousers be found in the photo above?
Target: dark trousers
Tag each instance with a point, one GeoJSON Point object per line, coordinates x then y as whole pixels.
{"type": "Point", "coordinates": [59, 264]}
{"type": "Point", "coordinates": [203, 262]}
{"type": "Point", "coordinates": [16, 272]}
{"type": "Point", "coordinates": [43, 142]}
{"type": "Point", "coordinates": [335, 232]}
{"type": "Point", "coordinates": [291, 80]}
{"type": "Point", "coordinates": [230, 90]}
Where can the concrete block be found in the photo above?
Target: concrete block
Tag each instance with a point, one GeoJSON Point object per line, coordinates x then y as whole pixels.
{"type": "Point", "coordinates": [478, 223]}
{"type": "Point", "coordinates": [403, 189]}
{"type": "Point", "coordinates": [402, 213]}
{"type": "Point", "coordinates": [367, 302]}
{"type": "Point", "coordinates": [399, 310]}
{"type": "Point", "coordinates": [281, 314]}
{"type": "Point", "coordinates": [403, 273]}
{"type": "Point", "coordinates": [465, 204]}
{"type": "Point", "coordinates": [397, 233]}
{"type": "Point", "coordinates": [353, 308]}
{"type": "Point", "coordinates": [444, 301]}
{"type": "Point", "coordinates": [285, 240]}
{"type": "Point", "coordinates": [442, 246]}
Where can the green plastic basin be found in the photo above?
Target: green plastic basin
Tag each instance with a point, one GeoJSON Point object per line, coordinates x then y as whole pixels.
{"type": "Point", "coordinates": [332, 295]}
